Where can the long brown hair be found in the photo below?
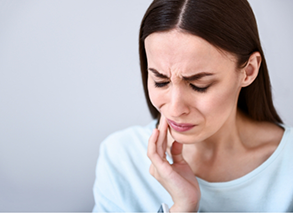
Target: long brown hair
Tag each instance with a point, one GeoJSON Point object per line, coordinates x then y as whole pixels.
{"type": "Point", "coordinates": [227, 24]}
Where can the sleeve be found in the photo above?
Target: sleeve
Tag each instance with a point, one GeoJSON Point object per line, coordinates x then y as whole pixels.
{"type": "Point", "coordinates": [123, 183]}
{"type": "Point", "coordinates": [105, 190]}
{"type": "Point", "coordinates": [103, 204]}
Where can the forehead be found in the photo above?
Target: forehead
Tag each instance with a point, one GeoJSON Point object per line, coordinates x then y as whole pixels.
{"type": "Point", "coordinates": [175, 50]}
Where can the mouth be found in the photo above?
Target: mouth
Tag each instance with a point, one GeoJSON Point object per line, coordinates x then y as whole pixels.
{"type": "Point", "coordinates": [180, 127]}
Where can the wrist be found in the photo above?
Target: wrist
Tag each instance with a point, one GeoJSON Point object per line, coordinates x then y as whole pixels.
{"type": "Point", "coordinates": [184, 208]}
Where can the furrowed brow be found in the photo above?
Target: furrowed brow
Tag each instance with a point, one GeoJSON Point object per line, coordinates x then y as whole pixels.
{"type": "Point", "coordinates": [157, 74]}
{"type": "Point", "coordinates": [197, 76]}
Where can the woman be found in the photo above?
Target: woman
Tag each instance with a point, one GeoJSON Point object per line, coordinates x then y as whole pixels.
{"type": "Point", "coordinates": [220, 144]}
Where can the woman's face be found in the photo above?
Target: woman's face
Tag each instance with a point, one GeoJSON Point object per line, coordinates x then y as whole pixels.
{"type": "Point", "coordinates": [194, 85]}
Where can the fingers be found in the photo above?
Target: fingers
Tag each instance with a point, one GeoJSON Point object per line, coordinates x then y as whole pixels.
{"type": "Point", "coordinates": [152, 151]}
{"type": "Point", "coordinates": [152, 170]}
{"type": "Point", "coordinates": [158, 162]}
{"type": "Point", "coordinates": [176, 152]}
{"type": "Point", "coordinates": [162, 140]}
{"type": "Point", "coordinates": [152, 147]}
{"type": "Point", "coordinates": [157, 150]}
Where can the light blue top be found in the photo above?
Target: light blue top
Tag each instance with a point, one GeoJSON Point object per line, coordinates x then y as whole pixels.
{"type": "Point", "coordinates": [123, 182]}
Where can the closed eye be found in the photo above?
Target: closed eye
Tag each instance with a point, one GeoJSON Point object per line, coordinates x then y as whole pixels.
{"type": "Point", "coordinates": [161, 84]}
{"type": "Point", "coordinates": [195, 88]}
{"type": "Point", "coordinates": [199, 89]}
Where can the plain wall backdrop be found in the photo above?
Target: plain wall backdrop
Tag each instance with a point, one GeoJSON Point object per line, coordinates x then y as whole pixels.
{"type": "Point", "coordinates": [69, 76]}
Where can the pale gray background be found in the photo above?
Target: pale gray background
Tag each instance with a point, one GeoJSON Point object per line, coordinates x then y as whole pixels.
{"type": "Point", "coordinates": [69, 76]}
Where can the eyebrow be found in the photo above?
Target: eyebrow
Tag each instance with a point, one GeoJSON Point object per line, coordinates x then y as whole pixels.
{"type": "Point", "coordinates": [187, 78]}
{"type": "Point", "coordinates": [157, 74]}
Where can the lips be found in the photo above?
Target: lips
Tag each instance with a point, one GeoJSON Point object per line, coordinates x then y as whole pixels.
{"type": "Point", "coordinates": [180, 127]}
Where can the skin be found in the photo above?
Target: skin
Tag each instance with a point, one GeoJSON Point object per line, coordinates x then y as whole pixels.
{"type": "Point", "coordinates": [222, 138]}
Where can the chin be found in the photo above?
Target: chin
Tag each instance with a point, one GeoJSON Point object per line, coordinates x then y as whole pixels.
{"type": "Point", "coordinates": [184, 137]}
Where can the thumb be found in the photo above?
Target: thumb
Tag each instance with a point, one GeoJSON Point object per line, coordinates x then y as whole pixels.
{"type": "Point", "coordinates": [176, 152]}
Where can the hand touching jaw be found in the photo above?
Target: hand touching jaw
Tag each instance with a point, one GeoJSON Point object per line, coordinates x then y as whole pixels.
{"type": "Point", "coordinates": [177, 178]}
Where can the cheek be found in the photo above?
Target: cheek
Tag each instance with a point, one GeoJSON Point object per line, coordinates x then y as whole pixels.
{"type": "Point", "coordinates": [220, 103]}
{"type": "Point", "coordinates": [154, 95]}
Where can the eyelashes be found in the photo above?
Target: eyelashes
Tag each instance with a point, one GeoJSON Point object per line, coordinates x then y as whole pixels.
{"type": "Point", "coordinates": [161, 84]}
{"type": "Point", "coordinates": [199, 89]}
{"type": "Point", "coordinates": [193, 87]}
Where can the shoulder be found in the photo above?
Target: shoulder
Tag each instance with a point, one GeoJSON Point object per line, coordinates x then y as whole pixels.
{"type": "Point", "coordinates": [122, 170]}
{"type": "Point", "coordinates": [287, 141]}
{"type": "Point", "coordinates": [133, 138]}
{"type": "Point", "coordinates": [279, 142]}
{"type": "Point", "coordinates": [125, 150]}
{"type": "Point", "coordinates": [283, 154]}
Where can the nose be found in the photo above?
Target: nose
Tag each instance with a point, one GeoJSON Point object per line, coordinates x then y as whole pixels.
{"type": "Point", "coordinates": [178, 102]}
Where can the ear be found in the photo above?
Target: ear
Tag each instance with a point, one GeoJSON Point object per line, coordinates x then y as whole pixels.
{"type": "Point", "coordinates": [251, 69]}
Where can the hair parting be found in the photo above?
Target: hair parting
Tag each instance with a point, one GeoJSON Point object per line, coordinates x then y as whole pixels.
{"type": "Point", "coordinates": [228, 25]}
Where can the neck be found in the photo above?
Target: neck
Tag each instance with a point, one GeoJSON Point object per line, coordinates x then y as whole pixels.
{"type": "Point", "coordinates": [237, 148]}
{"type": "Point", "coordinates": [231, 134]}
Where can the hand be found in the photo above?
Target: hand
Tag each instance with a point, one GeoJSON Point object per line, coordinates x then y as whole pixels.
{"type": "Point", "coordinates": [177, 178]}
